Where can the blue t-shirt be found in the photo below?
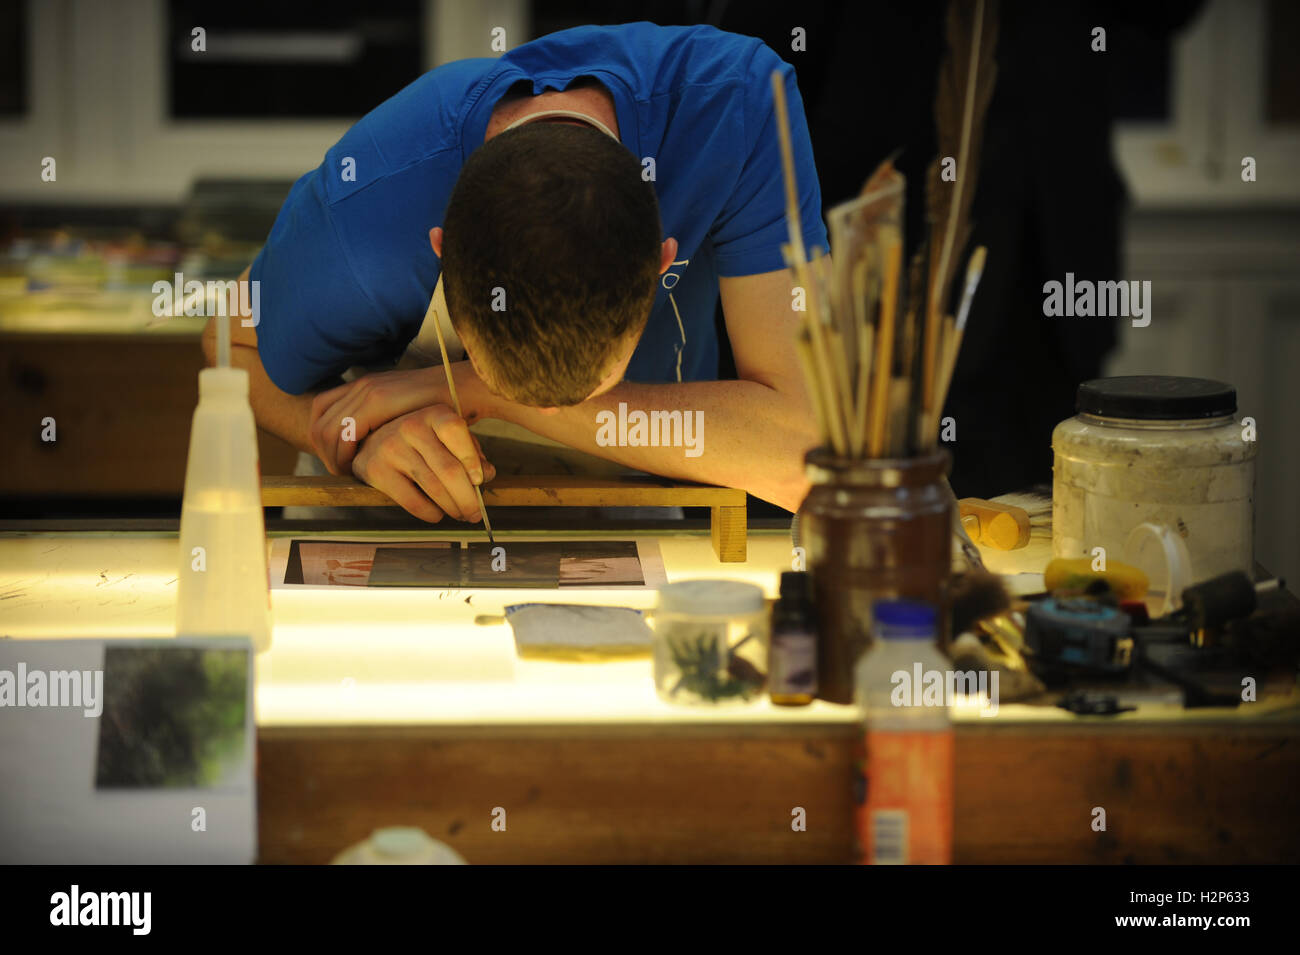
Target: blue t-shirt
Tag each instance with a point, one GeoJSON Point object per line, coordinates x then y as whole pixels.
{"type": "Point", "coordinates": [347, 270]}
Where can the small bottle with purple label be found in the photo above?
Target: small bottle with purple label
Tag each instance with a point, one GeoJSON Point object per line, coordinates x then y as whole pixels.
{"type": "Point", "coordinates": [792, 654]}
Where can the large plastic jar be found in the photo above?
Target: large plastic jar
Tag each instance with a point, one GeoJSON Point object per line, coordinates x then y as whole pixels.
{"type": "Point", "coordinates": [1159, 451]}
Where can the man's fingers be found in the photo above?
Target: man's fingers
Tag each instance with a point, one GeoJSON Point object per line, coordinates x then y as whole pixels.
{"type": "Point", "coordinates": [433, 487]}
{"type": "Point", "coordinates": [428, 464]}
{"type": "Point", "coordinates": [433, 452]}
{"type": "Point", "coordinates": [316, 430]}
{"type": "Point", "coordinates": [455, 435]}
{"type": "Point", "coordinates": [348, 434]}
{"type": "Point", "coordinates": [330, 396]}
{"type": "Point", "coordinates": [404, 491]}
{"type": "Point", "coordinates": [489, 470]}
{"type": "Point", "coordinates": [446, 468]}
{"type": "Point", "coordinates": [330, 413]}
{"type": "Point", "coordinates": [327, 427]}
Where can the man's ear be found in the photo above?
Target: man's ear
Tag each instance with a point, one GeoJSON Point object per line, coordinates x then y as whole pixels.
{"type": "Point", "coordinates": [667, 252]}
{"type": "Point", "coordinates": [435, 240]}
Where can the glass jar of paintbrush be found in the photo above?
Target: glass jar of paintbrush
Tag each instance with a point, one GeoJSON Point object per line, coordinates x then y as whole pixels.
{"type": "Point", "coordinates": [878, 345]}
{"type": "Point", "coordinates": [872, 529]}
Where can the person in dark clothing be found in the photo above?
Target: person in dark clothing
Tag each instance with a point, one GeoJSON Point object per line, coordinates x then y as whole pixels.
{"type": "Point", "coordinates": [1049, 198]}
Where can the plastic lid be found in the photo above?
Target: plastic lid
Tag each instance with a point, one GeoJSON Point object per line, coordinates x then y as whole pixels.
{"type": "Point", "coordinates": [711, 597]}
{"type": "Point", "coordinates": [1156, 398]}
{"type": "Point", "coordinates": [904, 619]}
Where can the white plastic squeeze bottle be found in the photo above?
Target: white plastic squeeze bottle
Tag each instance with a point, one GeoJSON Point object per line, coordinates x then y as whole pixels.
{"type": "Point", "coordinates": [222, 580]}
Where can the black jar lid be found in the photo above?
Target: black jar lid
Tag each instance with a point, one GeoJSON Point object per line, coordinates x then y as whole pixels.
{"type": "Point", "coordinates": [1156, 398]}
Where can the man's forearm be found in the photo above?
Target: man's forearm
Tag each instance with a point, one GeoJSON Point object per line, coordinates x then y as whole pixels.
{"type": "Point", "coordinates": [284, 415]}
{"type": "Point", "coordinates": [742, 434]}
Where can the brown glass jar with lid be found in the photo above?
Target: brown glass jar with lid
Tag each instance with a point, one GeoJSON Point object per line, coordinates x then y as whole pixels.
{"type": "Point", "coordinates": [872, 529]}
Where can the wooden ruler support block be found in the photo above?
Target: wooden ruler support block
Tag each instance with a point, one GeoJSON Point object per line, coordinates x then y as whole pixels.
{"type": "Point", "coordinates": [727, 526]}
{"type": "Point", "coordinates": [726, 505]}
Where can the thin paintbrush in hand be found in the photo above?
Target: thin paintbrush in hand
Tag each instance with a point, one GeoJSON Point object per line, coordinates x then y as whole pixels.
{"type": "Point", "coordinates": [455, 403]}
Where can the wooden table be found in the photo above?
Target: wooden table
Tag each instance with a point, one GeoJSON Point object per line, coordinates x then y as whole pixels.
{"type": "Point", "coordinates": [1205, 791]}
{"type": "Point", "coordinates": [363, 724]}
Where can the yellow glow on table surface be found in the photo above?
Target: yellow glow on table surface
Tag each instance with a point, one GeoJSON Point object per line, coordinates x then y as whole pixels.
{"type": "Point", "coordinates": [381, 655]}
{"type": "Point", "coordinates": [414, 656]}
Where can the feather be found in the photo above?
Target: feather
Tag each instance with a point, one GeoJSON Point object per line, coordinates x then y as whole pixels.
{"type": "Point", "coordinates": [965, 88]}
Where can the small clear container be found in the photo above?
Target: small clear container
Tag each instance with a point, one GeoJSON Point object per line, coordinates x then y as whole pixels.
{"type": "Point", "coordinates": [711, 642]}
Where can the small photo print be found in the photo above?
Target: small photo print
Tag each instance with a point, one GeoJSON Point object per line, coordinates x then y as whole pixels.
{"type": "Point", "coordinates": [445, 564]}
{"type": "Point", "coordinates": [174, 717]}
{"type": "Point", "coordinates": [515, 564]}
{"type": "Point", "coordinates": [600, 564]}
{"type": "Point", "coordinates": [437, 565]}
{"type": "Point", "coordinates": [332, 563]}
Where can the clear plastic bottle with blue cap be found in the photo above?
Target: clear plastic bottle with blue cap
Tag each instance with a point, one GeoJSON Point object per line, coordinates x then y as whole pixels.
{"type": "Point", "coordinates": [903, 805]}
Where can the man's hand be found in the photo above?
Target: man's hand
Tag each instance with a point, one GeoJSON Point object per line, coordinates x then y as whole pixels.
{"type": "Point", "coordinates": [425, 461]}
{"type": "Point", "coordinates": [369, 403]}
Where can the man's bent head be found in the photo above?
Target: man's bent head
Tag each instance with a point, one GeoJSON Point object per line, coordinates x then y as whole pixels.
{"type": "Point", "coordinates": [550, 255]}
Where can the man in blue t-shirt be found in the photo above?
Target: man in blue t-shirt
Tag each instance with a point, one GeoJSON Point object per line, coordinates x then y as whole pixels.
{"type": "Point", "coordinates": [576, 208]}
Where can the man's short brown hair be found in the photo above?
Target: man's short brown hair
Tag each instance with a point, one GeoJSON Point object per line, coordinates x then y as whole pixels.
{"type": "Point", "coordinates": [555, 222]}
